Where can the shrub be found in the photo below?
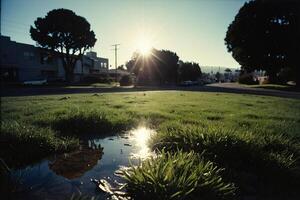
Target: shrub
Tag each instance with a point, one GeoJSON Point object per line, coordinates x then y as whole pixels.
{"type": "Point", "coordinates": [247, 79]}
{"type": "Point", "coordinates": [176, 176]}
{"type": "Point", "coordinates": [96, 79]}
{"type": "Point", "coordinates": [126, 80]}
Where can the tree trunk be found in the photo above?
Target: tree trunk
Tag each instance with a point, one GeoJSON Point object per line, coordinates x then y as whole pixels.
{"type": "Point", "coordinates": [69, 70]}
{"type": "Point", "coordinates": [69, 75]}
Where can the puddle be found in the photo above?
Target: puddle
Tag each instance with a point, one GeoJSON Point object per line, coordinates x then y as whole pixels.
{"type": "Point", "coordinates": [62, 175]}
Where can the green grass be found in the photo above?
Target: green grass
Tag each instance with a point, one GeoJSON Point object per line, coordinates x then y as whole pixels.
{"type": "Point", "coordinates": [255, 139]}
{"type": "Point", "coordinates": [176, 176]}
{"type": "Point", "coordinates": [22, 143]}
{"type": "Point", "coordinates": [243, 154]}
{"type": "Point", "coordinates": [275, 87]}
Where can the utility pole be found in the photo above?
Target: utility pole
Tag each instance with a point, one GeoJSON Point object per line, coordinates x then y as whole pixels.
{"type": "Point", "coordinates": [219, 75]}
{"type": "Point", "coordinates": [116, 57]}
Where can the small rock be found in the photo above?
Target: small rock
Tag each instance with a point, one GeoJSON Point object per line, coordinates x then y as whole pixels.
{"type": "Point", "coordinates": [126, 144]}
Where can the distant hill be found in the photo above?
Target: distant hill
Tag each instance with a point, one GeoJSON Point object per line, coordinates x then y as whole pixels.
{"type": "Point", "coordinates": [215, 69]}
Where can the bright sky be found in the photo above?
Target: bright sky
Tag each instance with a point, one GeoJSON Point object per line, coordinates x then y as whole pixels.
{"type": "Point", "coordinates": [194, 29]}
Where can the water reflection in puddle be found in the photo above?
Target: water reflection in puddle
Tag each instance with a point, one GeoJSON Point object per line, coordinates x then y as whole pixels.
{"type": "Point", "coordinates": [60, 176]}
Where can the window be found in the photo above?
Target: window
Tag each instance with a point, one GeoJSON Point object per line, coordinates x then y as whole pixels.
{"type": "Point", "coordinates": [28, 55]}
{"type": "Point", "coordinates": [9, 74]}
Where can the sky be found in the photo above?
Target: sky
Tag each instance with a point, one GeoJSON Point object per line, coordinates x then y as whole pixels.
{"type": "Point", "coordinates": [194, 29]}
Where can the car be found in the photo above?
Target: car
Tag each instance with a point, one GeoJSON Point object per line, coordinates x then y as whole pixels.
{"type": "Point", "coordinates": [36, 82]}
{"type": "Point", "coordinates": [186, 83]}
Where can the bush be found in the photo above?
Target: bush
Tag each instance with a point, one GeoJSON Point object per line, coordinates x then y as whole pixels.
{"type": "Point", "coordinates": [285, 75]}
{"type": "Point", "coordinates": [97, 79]}
{"type": "Point", "coordinates": [126, 80]}
{"type": "Point", "coordinates": [247, 79]}
{"type": "Point", "coordinates": [176, 176]}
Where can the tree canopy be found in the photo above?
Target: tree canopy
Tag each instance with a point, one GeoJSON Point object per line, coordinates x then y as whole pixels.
{"type": "Point", "coordinates": [265, 36]}
{"type": "Point", "coordinates": [63, 32]}
{"type": "Point", "coordinates": [227, 70]}
{"type": "Point", "coordinates": [189, 71]}
{"type": "Point", "coordinates": [159, 67]}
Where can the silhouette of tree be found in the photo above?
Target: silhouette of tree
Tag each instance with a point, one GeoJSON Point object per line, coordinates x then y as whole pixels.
{"type": "Point", "coordinates": [227, 73]}
{"type": "Point", "coordinates": [265, 36]}
{"type": "Point", "coordinates": [160, 66]}
{"type": "Point", "coordinates": [189, 71]}
{"type": "Point", "coordinates": [168, 65]}
{"type": "Point", "coordinates": [218, 76]}
{"type": "Point", "coordinates": [121, 67]}
{"type": "Point", "coordinates": [63, 32]}
{"type": "Point", "coordinates": [131, 64]}
{"type": "Point", "coordinates": [227, 70]}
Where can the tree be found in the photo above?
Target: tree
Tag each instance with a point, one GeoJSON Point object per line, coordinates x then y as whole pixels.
{"type": "Point", "coordinates": [227, 70]}
{"type": "Point", "coordinates": [265, 36]}
{"type": "Point", "coordinates": [189, 71]}
{"type": "Point", "coordinates": [218, 76]}
{"type": "Point", "coordinates": [121, 67]}
{"type": "Point", "coordinates": [66, 34]}
{"type": "Point", "coordinates": [126, 80]}
{"type": "Point", "coordinates": [227, 73]}
{"type": "Point", "coordinates": [160, 66]}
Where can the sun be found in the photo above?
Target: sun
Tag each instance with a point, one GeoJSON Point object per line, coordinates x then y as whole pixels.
{"type": "Point", "coordinates": [144, 46]}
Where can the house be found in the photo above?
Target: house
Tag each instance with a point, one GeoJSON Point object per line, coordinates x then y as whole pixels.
{"type": "Point", "coordinates": [20, 62]}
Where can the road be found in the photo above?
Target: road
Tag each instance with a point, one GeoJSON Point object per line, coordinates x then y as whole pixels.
{"type": "Point", "coordinates": [217, 87]}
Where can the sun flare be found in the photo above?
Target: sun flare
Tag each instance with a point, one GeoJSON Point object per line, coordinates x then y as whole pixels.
{"type": "Point", "coordinates": [144, 46]}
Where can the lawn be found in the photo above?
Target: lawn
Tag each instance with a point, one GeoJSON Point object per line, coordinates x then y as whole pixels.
{"type": "Point", "coordinates": [290, 88]}
{"type": "Point", "coordinates": [252, 142]}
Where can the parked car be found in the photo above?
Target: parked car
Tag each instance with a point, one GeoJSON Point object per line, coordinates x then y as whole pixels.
{"type": "Point", "coordinates": [186, 83]}
{"type": "Point", "coordinates": [36, 82]}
